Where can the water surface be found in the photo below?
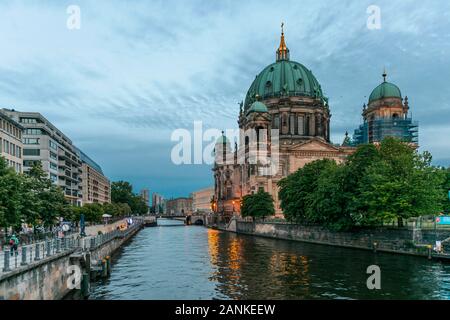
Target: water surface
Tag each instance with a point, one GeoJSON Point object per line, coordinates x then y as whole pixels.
{"type": "Point", "coordinates": [193, 262]}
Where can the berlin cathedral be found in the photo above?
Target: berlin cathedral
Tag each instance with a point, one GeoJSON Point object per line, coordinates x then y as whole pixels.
{"type": "Point", "coordinates": [287, 97]}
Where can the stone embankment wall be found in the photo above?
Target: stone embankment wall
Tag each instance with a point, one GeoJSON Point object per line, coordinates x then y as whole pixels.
{"type": "Point", "coordinates": [44, 280]}
{"type": "Point", "coordinates": [396, 240]}
{"type": "Point", "coordinates": [47, 279]}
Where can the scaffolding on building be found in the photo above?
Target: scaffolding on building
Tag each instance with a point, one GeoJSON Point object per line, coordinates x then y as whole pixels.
{"type": "Point", "coordinates": [375, 130]}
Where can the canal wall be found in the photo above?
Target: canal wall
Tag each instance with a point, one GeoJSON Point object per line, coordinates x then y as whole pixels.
{"type": "Point", "coordinates": [394, 240]}
{"type": "Point", "coordinates": [48, 278]}
{"type": "Point", "coordinates": [44, 280]}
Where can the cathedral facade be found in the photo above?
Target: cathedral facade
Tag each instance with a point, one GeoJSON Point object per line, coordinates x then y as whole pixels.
{"type": "Point", "coordinates": [286, 98]}
{"type": "Point", "coordinates": [285, 120]}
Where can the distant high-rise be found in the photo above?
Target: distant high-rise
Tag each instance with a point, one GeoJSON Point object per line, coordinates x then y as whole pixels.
{"type": "Point", "coordinates": [157, 203]}
{"type": "Point", "coordinates": [145, 195]}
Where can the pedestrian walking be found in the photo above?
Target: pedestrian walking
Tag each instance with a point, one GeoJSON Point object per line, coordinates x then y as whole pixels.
{"type": "Point", "coordinates": [14, 244]}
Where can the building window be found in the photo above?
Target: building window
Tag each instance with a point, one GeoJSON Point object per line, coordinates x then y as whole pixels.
{"type": "Point", "coordinates": [301, 125]}
{"type": "Point", "coordinates": [31, 141]}
{"type": "Point", "coordinates": [53, 166]}
{"type": "Point", "coordinates": [292, 124]}
{"type": "Point", "coordinates": [53, 145]}
{"type": "Point", "coordinates": [31, 152]}
{"type": "Point", "coordinates": [307, 130]}
{"type": "Point", "coordinates": [276, 122]}
{"type": "Point", "coordinates": [28, 120]}
{"type": "Point", "coordinates": [30, 163]}
{"type": "Point", "coordinates": [33, 131]}
{"type": "Point", "coordinates": [53, 156]}
{"type": "Point", "coordinates": [53, 177]}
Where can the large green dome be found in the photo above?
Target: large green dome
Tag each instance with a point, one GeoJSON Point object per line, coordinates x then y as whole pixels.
{"type": "Point", "coordinates": [385, 90]}
{"type": "Point", "coordinates": [284, 78]}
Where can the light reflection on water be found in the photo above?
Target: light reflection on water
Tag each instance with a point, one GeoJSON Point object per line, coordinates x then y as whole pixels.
{"type": "Point", "coordinates": [198, 263]}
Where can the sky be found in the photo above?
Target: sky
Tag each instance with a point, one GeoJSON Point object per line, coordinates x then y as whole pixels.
{"type": "Point", "coordinates": [137, 70]}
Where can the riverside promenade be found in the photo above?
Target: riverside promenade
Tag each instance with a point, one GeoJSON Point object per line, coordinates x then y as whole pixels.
{"type": "Point", "coordinates": [44, 270]}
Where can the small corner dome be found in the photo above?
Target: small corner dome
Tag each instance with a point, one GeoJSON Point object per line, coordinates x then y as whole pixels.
{"type": "Point", "coordinates": [258, 106]}
{"type": "Point", "coordinates": [222, 140]}
{"type": "Point", "coordinates": [385, 90]}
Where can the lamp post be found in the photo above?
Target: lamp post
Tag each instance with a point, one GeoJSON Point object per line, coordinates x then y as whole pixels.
{"type": "Point", "coordinates": [82, 226]}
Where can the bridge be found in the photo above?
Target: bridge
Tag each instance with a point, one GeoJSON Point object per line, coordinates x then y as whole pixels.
{"type": "Point", "coordinates": [187, 219]}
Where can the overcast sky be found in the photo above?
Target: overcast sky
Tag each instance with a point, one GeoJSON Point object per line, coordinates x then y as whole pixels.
{"type": "Point", "coordinates": [137, 70]}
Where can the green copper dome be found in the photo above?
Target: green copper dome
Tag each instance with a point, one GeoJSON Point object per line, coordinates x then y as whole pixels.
{"type": "Point", "coordinates": [257, 106]}
{"type": "Point", "coordinates": [222, 139]}
{"type": "Point", "coordinates": [385, 90]}
{"type": "Point", "coordinates": [283, 78]}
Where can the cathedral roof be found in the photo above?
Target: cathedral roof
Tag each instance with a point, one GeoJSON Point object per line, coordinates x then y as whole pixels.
{"type": "Point", "coordinates": [222, 139]}
{"type": "Point", "coordinates": [283, 78]}
{"type": "Point", "coordinates": [385, 90]}
{"type": "Point", "coordinates": [257, 106]}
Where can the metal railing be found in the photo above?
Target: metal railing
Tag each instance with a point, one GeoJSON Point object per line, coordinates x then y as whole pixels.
{"type": "Point", "coordinates": [13, 258]}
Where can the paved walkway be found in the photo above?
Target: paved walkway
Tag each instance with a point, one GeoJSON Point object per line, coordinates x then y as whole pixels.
{"type": "Point", "coordinates": [16, 259]}
{"type": "Point", "coordinates": [27, 253]}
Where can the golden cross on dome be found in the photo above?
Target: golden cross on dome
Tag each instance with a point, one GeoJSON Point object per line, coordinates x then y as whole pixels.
{"type": "Point", "coordinates": [282, 51]}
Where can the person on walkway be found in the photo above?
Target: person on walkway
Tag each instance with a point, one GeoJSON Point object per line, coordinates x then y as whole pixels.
{"type": "Point", "coordinates": [14, 244]}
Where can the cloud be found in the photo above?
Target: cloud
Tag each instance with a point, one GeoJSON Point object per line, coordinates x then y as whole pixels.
{"type": "Point", "coordinates": [137, 70]}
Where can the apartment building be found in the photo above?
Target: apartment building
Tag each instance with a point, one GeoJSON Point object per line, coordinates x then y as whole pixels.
{"type": "Point", "coordinates": [11, 145]}
{"type": "Point", "coordinates": [179, 206]}
{"type": "Point", "coordinates": [43, 142]}
{"type": "Point", "coordinates": [95, 186]}
{"type": "Point", "coordinates": [201, 200]}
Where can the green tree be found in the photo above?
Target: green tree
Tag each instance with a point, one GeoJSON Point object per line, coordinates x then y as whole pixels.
{"type": "Point", "coordinates": [93, 212]}
{"type": "Point", "coordinates": [112, 209]}
{"type": "Point", "coordinates": [355, 169]}
{"type": "Point", "coordinates": [122, 192]}
{"type": "Point", "coordinates": [125, 209]}
{"type": "Point", "coordinates": [327, 204]}
{"type": "Point", "coordinates": [296, 189]}
{"type": "Point", "coordinates": [446, 187]}
{"type": "Point", "coordinates": [376, 184]}
{"type": "Point", "coordinates": [403, 184]}
{"type": "Point", "coordinates": [138, 205]}
{"type": "Point", "coordinates": [259, 204]}
{"type": "Point", "coordinates": [10, 196]}
{"type": "Point", "coordinates": [50, 202]}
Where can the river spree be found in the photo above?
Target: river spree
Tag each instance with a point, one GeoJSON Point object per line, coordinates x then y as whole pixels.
{"type": "Point", "coordinates": [191, 262]}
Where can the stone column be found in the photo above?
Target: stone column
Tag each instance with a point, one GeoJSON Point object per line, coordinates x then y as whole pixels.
{"type": "Point", "coordinates": [312, 125]}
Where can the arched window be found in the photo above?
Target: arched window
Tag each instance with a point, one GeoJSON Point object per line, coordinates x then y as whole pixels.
{"type": "Point", "coordinates": [276, 122]}
{"type": "Point", "coordinates": [229, 192]}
